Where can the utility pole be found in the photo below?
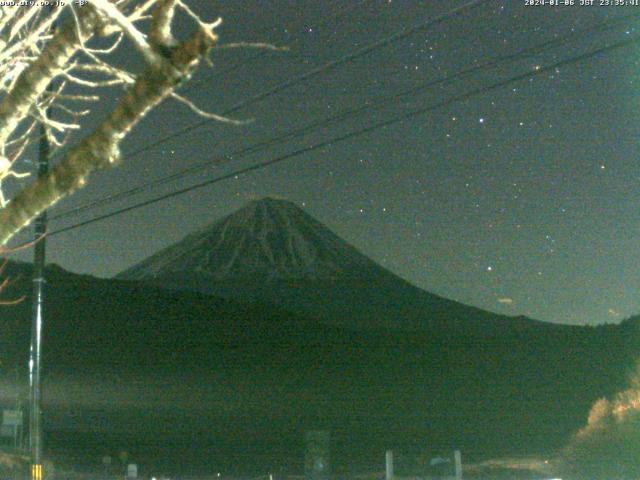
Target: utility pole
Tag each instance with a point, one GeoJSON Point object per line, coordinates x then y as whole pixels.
{"type": "Point", "coordinates": [35, 351]}
{"type": "Point", "coordinates": [389, 465]}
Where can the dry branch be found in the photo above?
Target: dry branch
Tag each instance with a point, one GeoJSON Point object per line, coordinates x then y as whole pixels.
{"type": "Point", "coordinates": [34, 80]}
{"type": "Point", "coordinates": [101, 148]}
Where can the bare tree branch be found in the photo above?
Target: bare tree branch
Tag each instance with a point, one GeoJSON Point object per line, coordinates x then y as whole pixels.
{"type": "Point", "coordinates": [194, 108]}
{"type": "Point", "coordinates": [32, 57]}
{"type": "Point", "coordinates": [33, 81]}
{"type": "Point", "coordinates": [101, 148]}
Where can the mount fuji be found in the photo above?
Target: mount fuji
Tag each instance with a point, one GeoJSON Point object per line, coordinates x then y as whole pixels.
{"type": "Point", "coordinates": [329, 340]}
{"type": "Point", "coordinates": [272, 251]}
{"type": "Point", "coordinates": [267, 240]}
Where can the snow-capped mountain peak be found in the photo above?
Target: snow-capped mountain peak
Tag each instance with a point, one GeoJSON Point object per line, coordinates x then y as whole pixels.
{"type": "Point", "coordinates": [267, 239]}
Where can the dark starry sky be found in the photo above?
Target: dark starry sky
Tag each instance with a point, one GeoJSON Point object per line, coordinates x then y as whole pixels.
{"type": "Point", "coordinates": [521, 200]}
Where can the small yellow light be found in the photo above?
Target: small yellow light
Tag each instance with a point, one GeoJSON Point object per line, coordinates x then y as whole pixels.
{"type": "Point", "coordinates": [36, 472]}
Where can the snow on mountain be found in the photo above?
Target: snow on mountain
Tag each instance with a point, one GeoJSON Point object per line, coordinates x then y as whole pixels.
{"type": "Point", "coordinates": [267, 239]}
{"type": "Point", "coordinates": [272, 251]}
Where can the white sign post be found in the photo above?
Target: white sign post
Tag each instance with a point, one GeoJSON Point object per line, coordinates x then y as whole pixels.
{"type": "Point", "coordinates": [457, 458]}
{"type": "Point", "coordinates": [132, 471]}
{"type": "Point", "coordinates": [389, 465]}
{"type": "Point", "coordinates": [11, 423]}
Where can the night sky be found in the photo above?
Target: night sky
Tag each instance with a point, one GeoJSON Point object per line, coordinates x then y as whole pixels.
{"type": "Point", "coordinates": [523, 199]}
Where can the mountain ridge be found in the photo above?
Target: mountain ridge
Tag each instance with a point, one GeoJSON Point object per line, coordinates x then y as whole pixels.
{"type": "Point", "coordinates": [143, 357]}
{"type": "Point", "coordinates": [272, 251]}
{"type": "Point", "coordinates": [279, 238]}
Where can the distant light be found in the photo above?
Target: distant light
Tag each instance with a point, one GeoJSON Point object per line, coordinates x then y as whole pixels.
{"type": "Point", "coordinates": [489, 269]}
{"type": "Point", "coordinates": [481, 120]}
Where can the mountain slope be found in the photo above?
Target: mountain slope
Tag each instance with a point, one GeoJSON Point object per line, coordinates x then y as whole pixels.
{"type": "Point", "coordinates": [174, 375]}
{"type": "Point", "coordinates": [349, 347]}
{"type": "Point", "coordinates": [272, 251]}
{"type": "Point", "coordinates": [266, 240]}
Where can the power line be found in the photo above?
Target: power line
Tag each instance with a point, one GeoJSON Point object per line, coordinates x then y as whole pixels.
{"type": "Point", "coordinates": [246, 102]}
{"type": "Point", "coordinates": [263, 53]}
{"type": "Point", "coordinates": [372, 105]}
{"type": "Point", "coordinates": [405, 32]}
{"type": "Point", "coordinates": [354, 133]}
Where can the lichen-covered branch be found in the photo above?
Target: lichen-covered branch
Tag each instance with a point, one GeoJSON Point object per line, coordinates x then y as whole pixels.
{"type": "Point", "coordinates": [100, 149]}
{"type": "Point", "coordinates": [35, 78]}
{"type": "Point", "coordinates": [135, 36]}
{"type": "Point", "coordinates": [67, 57]}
